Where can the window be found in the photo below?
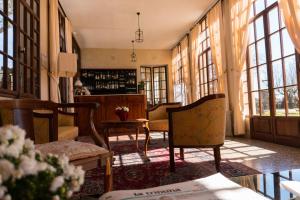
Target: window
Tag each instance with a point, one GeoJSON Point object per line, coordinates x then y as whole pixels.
{"type": "Point", "coordinates": [272, 63]}
{"type": "Point", "coordinates": [207, 70]}
{"type": "Point", "coordinates": [155, 80]}
{"type": "Point", "coordinates": [178, 78]}
{"type": "Point", "coordinates": [19, 62]}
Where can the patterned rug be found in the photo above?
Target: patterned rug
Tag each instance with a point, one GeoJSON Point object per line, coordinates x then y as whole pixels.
{"type": "Point", "coordinates": [131, 169]}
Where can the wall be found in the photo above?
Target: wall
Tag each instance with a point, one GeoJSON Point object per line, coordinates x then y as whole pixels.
{"type": "Point", "coordinates": [44, 49]}
{"type": "Point", "coordinates": [120, 58]}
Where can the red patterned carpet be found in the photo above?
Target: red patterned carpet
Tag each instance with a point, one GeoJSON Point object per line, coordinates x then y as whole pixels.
{"type": "Point", "coordinates": [131, 169]}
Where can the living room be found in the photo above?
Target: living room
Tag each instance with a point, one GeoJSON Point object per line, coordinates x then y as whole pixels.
{"type": "Point", "coordinates": [139, 99]}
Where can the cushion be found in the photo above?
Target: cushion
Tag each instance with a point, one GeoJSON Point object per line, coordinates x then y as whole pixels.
{"type": "Point", "coordinates": [67, 132]}
{"type": "Point", "coordinates": [73, 149]}
{"type": "Point", "coordinates": [159, 125]}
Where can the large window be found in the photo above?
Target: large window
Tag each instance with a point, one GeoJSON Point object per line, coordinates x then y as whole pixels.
{"type": "Point", "coordinates": [272, 63]}
{"type": "Point", "coordinates": [19, 48]}
{"type": "Point", "coordinates": [207, 70]}
{"type": "Point", "coordinates": [155, 80]}
{"type": "Point", "coordinates": [179, 88]}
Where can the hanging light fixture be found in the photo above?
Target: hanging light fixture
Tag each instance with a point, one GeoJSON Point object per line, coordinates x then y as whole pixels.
{"type": "Point", "coordinates": [133, 55]}
{"type": "Point", "coordinates": [139, 37]}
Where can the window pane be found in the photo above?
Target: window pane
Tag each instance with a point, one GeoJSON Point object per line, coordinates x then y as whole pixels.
{"type": "Point", "coordinates": [10, 39]}
{"type": "Point", "coordinates": [251, 33]}
{"type": "Point", "coordinates": [1, 70]}
{"type": "Point", "coordinates": [252, 55]}
{"type": "Point", "coordinates": [10, 74]}
{"type": "Point", "coordinates": [290, 70]}
{"type": "Point", "coordinates": [270, 2]}
{"type": "Point", "coordinates": [259, 24]}
{"type": "Point", "coordinates": [288, 46]}
{"type": "Point", "coordinates": [254, 82]}
{"type": "Point", "coordinates": [1, 33]}
{"type": "Point", "coordinates": [1, 5]}
{"type": "Point", "coordinates": [279, 102]}
{"type": "Point", "coordinates": [277, 73]}
{"type": "Point", "coordinates": [293, 101]}
{"type": "Point", "coordinates": [11, 9]}
{"type": "Point", "coordinates": [259, 6]}
{"type": "Point", "coordinates": [275, 46]}
{"type": "Point", "coordinates": [273, 20]}
{"type": "Point", "coordinates": [263, 76]}
{"type": "Point", "coordinates": [261, 52]}
{"type": "Point", "coordinates": [265, 107]}
{"type": "Point", "coordinates": [255, 103]}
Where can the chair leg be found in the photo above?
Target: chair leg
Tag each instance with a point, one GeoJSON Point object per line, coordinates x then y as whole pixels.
{"type": "Point", "coordinates": [164, 136]}
{"type": "Point", "coordinates": [172, 161]}
{"type": "Point", "coordinates": [108, 180]}
{"type": "Point", "coordinates": [217, 156]}
{"type": "Point", "coordinates": [181, 153]}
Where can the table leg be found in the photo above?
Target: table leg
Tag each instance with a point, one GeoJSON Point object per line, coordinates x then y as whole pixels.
{"type": "Point", "coordinates": [147, 132]}
{"type": "Point", "coordinates": [137, 137]}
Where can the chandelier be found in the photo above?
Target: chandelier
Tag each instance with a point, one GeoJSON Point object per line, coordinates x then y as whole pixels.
{"type": "Point", "coordinates": [139, 33]}
{"type": "Point", "coordinates": [133, 55]}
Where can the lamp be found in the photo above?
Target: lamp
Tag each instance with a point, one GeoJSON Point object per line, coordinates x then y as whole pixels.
{"type": "Point", "coordinates": [133, 55]}
{"type": "Point", "coordinates": [139, 37]}
{"type": "Point", "coordinates": [67, 64]}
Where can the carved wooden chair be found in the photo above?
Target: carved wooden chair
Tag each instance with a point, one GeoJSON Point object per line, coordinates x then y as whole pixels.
{"type": "Point", "coordinates": [200, 124]}
{"type": "Point", "coordinates": [158, 117]}
{"type": "Point", "coordinates": [40, 120]}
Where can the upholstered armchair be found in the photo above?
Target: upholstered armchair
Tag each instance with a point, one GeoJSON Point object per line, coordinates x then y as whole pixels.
{"type": "Point", "coordinates": [200, 124]}
{"type": "Point", "coordinates": [158, 117]}
{"type": "Point", "coordinates": [40, 120]}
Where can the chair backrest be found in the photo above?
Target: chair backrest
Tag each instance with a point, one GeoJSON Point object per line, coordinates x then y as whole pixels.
{"type": "Point", "coordinates": [21, 112]}
{"type": "Point", "coordinates": [160, 111]}
{"type": "Point", "coordinates": [200, 123]}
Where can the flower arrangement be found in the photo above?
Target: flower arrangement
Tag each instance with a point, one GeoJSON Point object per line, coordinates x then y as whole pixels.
{"type": "Point", "coordinates": [27, 174]}
{"type": "Point", "coordinates": [122, 112]}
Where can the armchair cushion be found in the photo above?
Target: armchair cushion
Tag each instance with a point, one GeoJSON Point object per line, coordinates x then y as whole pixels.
{"type": "Point", "coordinates": [73, 149]}
{"type": "Point", "coordinates": [67, 132]}
{"type": "Point", "coordinates": [159, 125]}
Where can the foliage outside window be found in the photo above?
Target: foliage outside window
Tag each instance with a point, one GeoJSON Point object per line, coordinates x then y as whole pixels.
{"type": "Point", "coordinates": [272, 63]}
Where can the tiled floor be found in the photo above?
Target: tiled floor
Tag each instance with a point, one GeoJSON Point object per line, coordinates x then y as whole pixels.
{"type": "Point", "coordinates": [262, 156]}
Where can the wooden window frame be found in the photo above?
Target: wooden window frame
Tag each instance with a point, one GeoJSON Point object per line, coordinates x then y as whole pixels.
{"type": "Point", "coordinates": [21, 87]}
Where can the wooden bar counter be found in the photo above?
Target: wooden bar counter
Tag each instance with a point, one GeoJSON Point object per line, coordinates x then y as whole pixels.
{"type": "Point", "coordinates": [106, 111]}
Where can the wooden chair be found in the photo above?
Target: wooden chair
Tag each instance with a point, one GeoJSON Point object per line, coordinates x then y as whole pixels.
{"type": "Point", "coordinates": [200, 124]}
{"type": "Point", "coordinates": [40, 119]}
{"type": "Point", "coordinates": [158, 117]}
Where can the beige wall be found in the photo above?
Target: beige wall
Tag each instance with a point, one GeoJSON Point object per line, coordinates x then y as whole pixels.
{"type": "Point", "coordinates": [120, 58]}
{"type": "Point", "coordinates": [44, 49]}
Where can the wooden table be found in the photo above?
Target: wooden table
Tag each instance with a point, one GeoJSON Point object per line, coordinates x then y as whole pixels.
{"type": "Point", "coordinates": [129, 124]}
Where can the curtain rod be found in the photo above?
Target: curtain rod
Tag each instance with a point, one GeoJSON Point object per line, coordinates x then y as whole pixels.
{"type": "Point", "coordinates": [198, 21]}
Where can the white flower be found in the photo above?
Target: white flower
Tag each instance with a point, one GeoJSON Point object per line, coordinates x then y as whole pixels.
{"type": "Point", "coordinates": [6, 169]}
{"type": "Point", "coordinates": [69, 194]}
{"type": "Point", "coordinates": [28, 166]}
{"type": "Point", "coordinates": [28, 144]}
{"type": "Point", "coordinates": [126, 109]}
{"type": "Point", "coordinates": [7, 197]}
{"type": "Point", "coordinates": [56, 197]}
{"type": "Point", "coordinates": [57, 183]}
{"type": "Point", "coordinates": [3, 190]}
{"type": "Point", "coordinates": [118, 108]}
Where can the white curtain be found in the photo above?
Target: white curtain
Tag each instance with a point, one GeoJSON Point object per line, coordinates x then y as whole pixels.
{"type": "Point", "coordinates": [194, 47]}
{"type": "Point", "coordinates": [186, 80]}
{"type": "Point", "coordinates": [236, 13]}
{"type": "Point", "coordinates": [68, 32]}
{"type": "Point", "coordinates": [291, 14]}
{"type": "Point", "coordinates": [217, 44]}
{"type": "Point", "coordinates": [54, 50]}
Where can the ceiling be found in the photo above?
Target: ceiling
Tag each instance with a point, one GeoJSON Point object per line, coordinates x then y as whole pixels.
{"type": "Point", "coordinates": [112, 23]}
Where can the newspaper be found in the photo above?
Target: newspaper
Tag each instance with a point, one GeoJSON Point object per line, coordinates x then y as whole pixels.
{"type": "Point", "coordinates": [215, 187]}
